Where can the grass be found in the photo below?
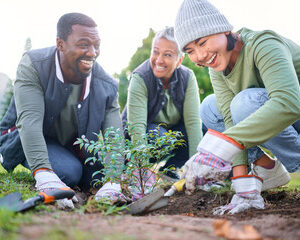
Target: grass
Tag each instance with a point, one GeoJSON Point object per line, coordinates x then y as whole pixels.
{"type": "Point", "coordinates": [21, 180]}
{"type": "Point", "coordinates": [295, 181]}
{"type": "Point", "coordinates": [103, 205]}
{"type": "Point", "coordinates": [10, 222]}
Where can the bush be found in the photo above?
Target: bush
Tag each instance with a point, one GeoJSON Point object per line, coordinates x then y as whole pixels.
{"type": "Point", "coordinates": [112, 149]}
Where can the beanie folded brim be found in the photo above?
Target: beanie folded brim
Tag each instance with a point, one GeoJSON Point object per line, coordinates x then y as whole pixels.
{"type": "Point", "coordinates": [197, 19]}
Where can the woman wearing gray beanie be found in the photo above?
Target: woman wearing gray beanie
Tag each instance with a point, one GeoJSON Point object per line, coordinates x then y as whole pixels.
{"type": "Point", "coordinates": [256, 102]}
{"type": "Point", "coordinates": [161, 91]}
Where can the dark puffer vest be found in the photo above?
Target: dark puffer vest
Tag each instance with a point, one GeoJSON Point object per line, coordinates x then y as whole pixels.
{"type": "Point", "coordinates": [156, 93]}
{"type": "Point", "coordinates": [90, 112]}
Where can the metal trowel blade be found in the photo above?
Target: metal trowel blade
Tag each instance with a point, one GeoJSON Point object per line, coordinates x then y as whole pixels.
{"type": "Point", "coordinates": [148, 202]}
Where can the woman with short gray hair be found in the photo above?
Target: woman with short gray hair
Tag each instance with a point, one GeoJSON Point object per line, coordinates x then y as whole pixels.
{"type": "Point", "coordinates": [162, 91]}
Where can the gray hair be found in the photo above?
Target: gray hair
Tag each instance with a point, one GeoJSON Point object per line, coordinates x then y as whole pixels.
{"type": "Point", "coordinates": [167, 33]}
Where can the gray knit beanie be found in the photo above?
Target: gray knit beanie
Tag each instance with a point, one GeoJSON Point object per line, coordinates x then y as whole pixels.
{"type": "Point", "coordinates": [196, 19]}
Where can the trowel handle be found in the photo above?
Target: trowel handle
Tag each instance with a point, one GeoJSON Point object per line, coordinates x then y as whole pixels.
{"type": "Point", "coordinates": [178, 186]}
{"type": "Point", "coordinates": [56, 194]}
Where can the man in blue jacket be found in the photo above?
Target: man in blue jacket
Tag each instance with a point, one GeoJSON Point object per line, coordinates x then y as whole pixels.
{"type": "Point", "coordinates": [60, 93]}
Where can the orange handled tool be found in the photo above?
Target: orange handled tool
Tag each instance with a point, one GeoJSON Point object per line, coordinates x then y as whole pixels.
{"type": "Point", "coordinates": [56, 194]}
{"type": "Point", "coordinates": [13, 201]}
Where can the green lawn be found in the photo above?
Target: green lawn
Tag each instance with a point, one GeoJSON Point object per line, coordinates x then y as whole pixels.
{"type": "Point", "coordinates": [295, 180]}
{"type": "Point", "coordinates": [19, 168]}
{"type": "Point", "coordinates": [20, 180]}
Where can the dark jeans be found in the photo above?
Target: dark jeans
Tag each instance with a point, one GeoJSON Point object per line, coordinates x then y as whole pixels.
{"type": "Point", "coordinates": [285, 146]}
{"type": "Point", "coordinates": [69, 167]}
{"type": "Point", "coordinates": [181, 153]}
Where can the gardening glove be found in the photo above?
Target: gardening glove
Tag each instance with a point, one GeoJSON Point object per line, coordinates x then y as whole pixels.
{"type": "Point", "coordinates": [47, 180]}
{"type": "Point", "coordinates": [112, 192]}
{"type": "Point", "coordinates": [212, 162]}
{"type": "Point", "coordinates": [247, 188]}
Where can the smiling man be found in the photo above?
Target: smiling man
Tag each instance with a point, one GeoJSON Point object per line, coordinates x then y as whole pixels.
{"type": "Point", "coordinates": [60, 94]}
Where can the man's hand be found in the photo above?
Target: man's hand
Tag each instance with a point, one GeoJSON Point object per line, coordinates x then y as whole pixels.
{"type": "Point", "coordinates": [247, 195]}
{"type": "Point", "coordinates": [212, 162]}
{"type": "Point", "coordinates": [46, 180]}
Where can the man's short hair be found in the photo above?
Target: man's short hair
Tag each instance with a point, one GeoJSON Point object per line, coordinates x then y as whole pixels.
{"type": "Point", "coordinates": [65, 23]}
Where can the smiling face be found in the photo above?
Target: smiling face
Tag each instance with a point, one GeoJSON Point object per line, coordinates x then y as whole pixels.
{"type": "Point", "coordinates": [164, 58]}
{"type": "Point", "coordinates": [210, 51]}
{"type": "Point", "coordinates": [78, 53]}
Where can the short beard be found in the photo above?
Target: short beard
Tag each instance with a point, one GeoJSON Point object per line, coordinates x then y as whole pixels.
{"type": "Point", "coordinates": [79, 74]}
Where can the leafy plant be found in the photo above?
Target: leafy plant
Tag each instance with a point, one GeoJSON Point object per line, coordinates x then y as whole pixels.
{"type": "Point", "coordinates": [141, 155]}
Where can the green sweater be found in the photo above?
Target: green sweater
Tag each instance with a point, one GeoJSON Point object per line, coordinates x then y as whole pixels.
{"type": "Point", "coordinates": [267, 60]}
{"type": "Point", "coordinates": [169, 115]}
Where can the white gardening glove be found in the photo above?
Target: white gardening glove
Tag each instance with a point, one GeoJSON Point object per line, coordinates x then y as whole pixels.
{"type": "Point", "coordinates": [47, 180]}
{"type": "Point", "coordinates": [212, 162]}
{"type": "Point", "coordinates": [112, 192]}
{"type": "Point", "coordinates": [247, 195]}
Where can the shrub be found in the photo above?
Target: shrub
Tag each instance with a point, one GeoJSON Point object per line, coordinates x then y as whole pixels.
{"type": "Point", "coordinates": [112, 150]}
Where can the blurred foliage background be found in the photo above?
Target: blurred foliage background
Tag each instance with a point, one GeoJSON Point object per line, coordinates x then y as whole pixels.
{"type": "Point", "coordinates": [8, 92]}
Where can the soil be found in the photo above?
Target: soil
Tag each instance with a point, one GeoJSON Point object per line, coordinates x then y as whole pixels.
{"type": "Point", "coordinates": [185, 217]}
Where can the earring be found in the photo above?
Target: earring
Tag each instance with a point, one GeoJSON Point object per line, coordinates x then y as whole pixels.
{"type": "Point", "coordinates": [199, 65]}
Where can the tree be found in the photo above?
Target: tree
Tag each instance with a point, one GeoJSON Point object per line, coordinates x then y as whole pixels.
{"type": "Point", "coordinates": [143, 53]}
{"type": "Point", "coordinates": [28, 44]}
{"type": "Point", "coordinates": [123, 86]}
{"type": "Point", "coordinates": [9, 86]}
{"type": "Point", "coordinates": [6, 98]}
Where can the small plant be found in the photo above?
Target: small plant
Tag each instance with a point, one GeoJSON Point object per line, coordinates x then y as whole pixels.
{"type": "Point", "coordinates": [138, 171]}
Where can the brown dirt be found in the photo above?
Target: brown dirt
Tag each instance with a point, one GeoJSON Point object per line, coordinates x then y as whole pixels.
{"type": "Point", "coordinates": [201, 204]}
{"type": "Point", "coordinates": [185, 217]}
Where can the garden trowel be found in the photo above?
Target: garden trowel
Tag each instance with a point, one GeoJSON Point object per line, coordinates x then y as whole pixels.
{"type": "Point", "coordinates": [13, 201]}
{"type": "Point", "coordinates": [151, 202]}
{"type": "Point", "coordinates": [178, 186]}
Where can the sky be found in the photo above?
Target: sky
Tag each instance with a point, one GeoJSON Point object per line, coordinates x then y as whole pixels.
{"type": "Point", "coordinates": [123, 24]}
